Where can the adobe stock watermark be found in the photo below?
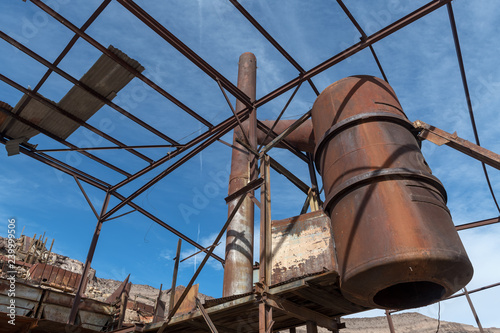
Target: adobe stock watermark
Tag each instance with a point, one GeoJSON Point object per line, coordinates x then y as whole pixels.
{"type": "Point", "coordinates": [203, 195]}
{"type": "Point", "coordinates": [11, 273]}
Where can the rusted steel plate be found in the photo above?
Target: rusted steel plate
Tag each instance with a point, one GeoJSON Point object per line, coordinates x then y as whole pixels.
{"type": "Point", "coordinates": [396, 244]}
{"type": "Point", "coordinates": [23, 290]}
{"type": "Point", "coordinates": [94, 321]}
{"type": "Point", "coordinates": [26, 297]}
{"type": "Point", "coordinates": [189, 303]}
{"type": "Point", "coordinates": [140, 306]}
{"type": "Point", "coordinates": [23, 324]}
{"type": "Point", "coordinates": [66, 300]}
{"type": "Point", "coordinates": [54, 276]}
{"type": "Point", "coordinates": [18, 263]}
{"type": "Point", "coordinates": [302, 245]}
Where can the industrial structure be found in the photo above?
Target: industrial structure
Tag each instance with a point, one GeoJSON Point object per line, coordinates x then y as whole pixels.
{"type": "Point", "coordinates": [374, 231]}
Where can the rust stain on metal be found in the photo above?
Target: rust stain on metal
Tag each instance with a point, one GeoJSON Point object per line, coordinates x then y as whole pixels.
{"type": "Point", "coordinates": [54, 277]}
{"type": "Point", "coordinates": [189, 303]}
{"type": "Point", "coordinates": [238, 269]}
{"type": "Point", "coordinates": [302, 245]}
{"type": "Point", "coordinates": [396, 244]}
{"type": "Point", "coordinates": [53, 307]}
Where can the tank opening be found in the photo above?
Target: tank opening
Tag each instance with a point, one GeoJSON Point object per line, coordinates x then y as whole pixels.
{"type": "Point", "coordinates": [409, 295]}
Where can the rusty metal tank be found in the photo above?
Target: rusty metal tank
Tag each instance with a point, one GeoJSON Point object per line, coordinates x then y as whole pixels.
{"type": "Point", "coordinates": [396, 244]}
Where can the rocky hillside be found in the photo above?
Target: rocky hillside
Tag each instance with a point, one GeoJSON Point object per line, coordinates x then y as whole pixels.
{"type": "Point", "coordinates": [403, 323]}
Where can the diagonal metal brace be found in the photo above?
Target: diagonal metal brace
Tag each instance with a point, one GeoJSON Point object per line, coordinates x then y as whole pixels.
{"type": "Point", "coordinates": [205, 315]}
{"type": "Point", "coordinates": [440, 137]}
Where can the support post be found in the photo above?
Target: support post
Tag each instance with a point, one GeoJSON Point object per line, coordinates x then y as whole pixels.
{"type": "Point", "coordinates": [476, 317]}
{"type": "Point", "coordinates": [389, 321]}
{"type": "Point", "coordinates": [238, 269]}
{"type": "Point", "coordinates": [265, 311]}
{"type": "Point", "coordinates": [265, 224]}
{"type": "Point", "coordinates": [202, 264]}
{"type": "Point", "coordinates": [311, 327]}
{"type": "Point", "coordinates": [174, 277]}
{"type": "Point", "coordinates": [83, 280]}
{"type": "Point", "coordinates": [123, 307]}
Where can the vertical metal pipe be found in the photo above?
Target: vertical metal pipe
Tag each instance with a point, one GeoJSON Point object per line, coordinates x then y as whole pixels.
{"type": "Point", "coordinates": [238, 269]}
{"type": "Point", "coordinates": [476, 317]}
{"type": "Point", "coordinates": [389, 321]}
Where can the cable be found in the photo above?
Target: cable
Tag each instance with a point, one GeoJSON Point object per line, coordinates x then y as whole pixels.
{"type": "Point", "coordinates": [467, 95]}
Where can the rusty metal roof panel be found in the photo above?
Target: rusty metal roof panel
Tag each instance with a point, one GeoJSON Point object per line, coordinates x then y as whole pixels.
{"type": "Point", "coordinates": [106, 77]}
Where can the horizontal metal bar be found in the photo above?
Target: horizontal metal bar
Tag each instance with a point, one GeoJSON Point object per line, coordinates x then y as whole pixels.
{"type": "Point", "coordinates": [285, 133]}
{"type": "Point", "coordinates": [165, 225]}
{"type": "Point", "coordinates": [252, 185]}
{"type": "Point", "coordinates": [273, 41]}
{"type": "Point", "coordinates": [440, 137]}
{"type": "Point", "coordinates": [477, 224]}
{"type": "Point", "coordinates": [198, 252]}
{"type": "Point", "coordinates": [377, 36]}
{"type": "Point", "coordinates": [61, 56]}
{"type": "Point", "coordinates": [117, 59]}
{"type": "Point", "coordinates": [147, 19]}
{"type": "Point", "coordinates": [106, 148]}
{"type": "Point", "coordinates": [226, 128]}
{"type": "Point", "coordinates": [202, 264]}
{"type": "Point", "coordinates": [290, 176]}
{"type": "Point", "coordinates": [52, 136]}
{"type": "Point", "coordinates": [263, 127]}
{"type": "Point", "coordinates": [121, 215]}
{"type": "Point", "coordinates": [54, 107]}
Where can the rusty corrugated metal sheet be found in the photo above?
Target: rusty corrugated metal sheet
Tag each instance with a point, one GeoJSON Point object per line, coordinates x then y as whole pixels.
{"type": "Point", "coordinates": [105, 77]}
{"type": "Point", "coordinates": [3, 116]}
{"type": "Point", "coordinates": [301, 246]}
{"type": "Point", "coordinates": [55, 277]}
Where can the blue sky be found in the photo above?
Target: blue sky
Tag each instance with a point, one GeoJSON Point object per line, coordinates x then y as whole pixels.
{"type": "Point", "coordinates": [420, 63]}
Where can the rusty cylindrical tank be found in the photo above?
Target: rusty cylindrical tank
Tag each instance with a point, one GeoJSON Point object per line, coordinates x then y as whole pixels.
{"type": "Point", "coordinates": [396, 244]}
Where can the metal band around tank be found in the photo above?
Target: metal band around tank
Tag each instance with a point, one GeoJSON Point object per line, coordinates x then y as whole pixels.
{"type": "Point", "coordinates": [354, 120]}
{"type": "Point", "coordinates": [381, 175]}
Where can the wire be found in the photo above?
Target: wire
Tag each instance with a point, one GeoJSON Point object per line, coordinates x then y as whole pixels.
{"type": "Point", "coordinates": [467, 96]}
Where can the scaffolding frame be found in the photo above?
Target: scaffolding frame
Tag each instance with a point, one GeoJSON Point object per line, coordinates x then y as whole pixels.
{"type": "Point", "coordinates": [213, 132]}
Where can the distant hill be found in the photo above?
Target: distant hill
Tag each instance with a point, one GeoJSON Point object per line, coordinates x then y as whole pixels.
{"type": "Point", "coordinates": [403, 323]}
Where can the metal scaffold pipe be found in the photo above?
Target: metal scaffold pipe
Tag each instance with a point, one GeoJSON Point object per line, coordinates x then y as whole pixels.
{"type": "Point", "coordinates": [238, 270]}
